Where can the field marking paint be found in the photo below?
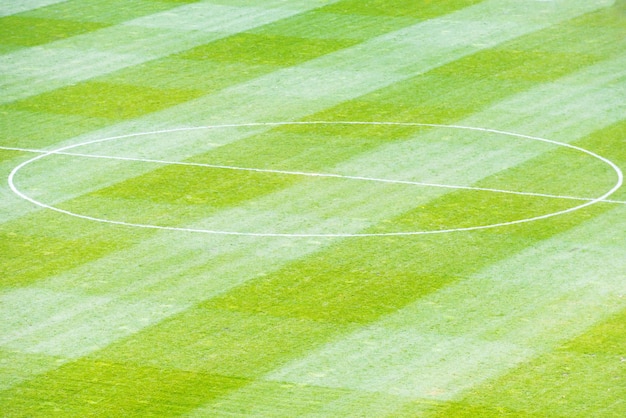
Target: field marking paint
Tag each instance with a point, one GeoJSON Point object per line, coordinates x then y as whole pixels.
{"type": "Point", "coordinates": [305, 173]}
{"type": "Point", "coordinates": [66, 151]}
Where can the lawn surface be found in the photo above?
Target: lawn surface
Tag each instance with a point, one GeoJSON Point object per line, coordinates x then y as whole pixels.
{"type": "Point", "coordinates": [282, 208]}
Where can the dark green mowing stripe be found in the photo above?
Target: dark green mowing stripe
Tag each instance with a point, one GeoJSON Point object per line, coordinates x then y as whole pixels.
{"type": "Point", "coordinates": [32, 31]}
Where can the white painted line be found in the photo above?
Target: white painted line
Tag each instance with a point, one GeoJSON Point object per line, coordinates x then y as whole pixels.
{"type": "Point", "coordinates": [305, 173]}
{"type": "Point", "coordinates": [65, 151]}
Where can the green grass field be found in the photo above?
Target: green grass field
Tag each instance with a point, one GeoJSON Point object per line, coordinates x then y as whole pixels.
{"type": "Point", "coordinates": [329, 208]}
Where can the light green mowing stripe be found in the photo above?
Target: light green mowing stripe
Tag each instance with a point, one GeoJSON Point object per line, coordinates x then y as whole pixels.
{"type": "Point", "coordinates": [174, 352]}
{"type": "Point", "coordinates": [13, 7]}
{"type": "Point", "coordinates": [195, 288]}
{"type": "Point", "coordinates": [387, 353]}
{"type": "Point", "coordinates": [555, 105]}
{"type": "Point", "coordinates": [479, 156]}
{"type": "Point", "coordinates": [239, 219]}
{"type": "Point", "coordinates": [281, 399]}
{"type": "Point", "coordinates": [91, 177]}
{"type": "Point", "coordinates": [221, 101]}
{"type": "Point", "coordinates": [573, 385]}
{"type": "Point", "coordinates": [12, 115]}
{"type": "Point", "coordinates": [601, 141]}
{"type": "Point", "coordinates": [323, 24]}
{"type": "Point", "coordinates": [28, 255]}
{"type": "Point", "coordinates": [82, 57]}
{"type": "Point", "coordinates": [476, 80]}
{"type": "Point", "coordinates": [448, 342]}
{"type": "Point", "coordinates": [167, 284]}
{"type": "Point", "coordinates": [581, 377]}
{"type": "Point", "coordinates": [74, 318]}
{"type": "Point", "coordinates": [16, 367]}
{"type": "Point", "coordinates": [599, 260]}
{"type": "Point", "coordinates": [398, 49]}
{"type": "Point", "coordinates": [318, 84]}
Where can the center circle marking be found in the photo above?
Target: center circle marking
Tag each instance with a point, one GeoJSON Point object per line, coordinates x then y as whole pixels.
{"type": "Point", "coordinates": [66, 151]}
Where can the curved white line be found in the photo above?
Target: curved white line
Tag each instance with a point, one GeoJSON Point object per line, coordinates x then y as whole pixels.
{"type": "Point", "coordinates": [64, 151]}
{"type": "Point", "coordinates": [309, 174]}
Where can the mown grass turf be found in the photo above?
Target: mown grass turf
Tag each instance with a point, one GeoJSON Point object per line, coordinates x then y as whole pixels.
{"type": "Point", "coordinates": [258, 49]}
{"type": "Point", "coordinates": [111, 12]}
{"type": "Point", "coordinates": [106, 319]}
{"type": "Point", "coordinates": [398, 8]}
{"type": "Point", "coordinates": [117, 389]}
{"type": "Point", "coordinates": [102, 100]}
{"type": "Point", "coordinates": [37, 130]}
{"type": "Point", "coordinates": [40, 31]}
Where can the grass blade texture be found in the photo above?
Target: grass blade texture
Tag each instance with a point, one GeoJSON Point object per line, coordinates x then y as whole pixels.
{"type": "Point", "coordinates": [322, 208]}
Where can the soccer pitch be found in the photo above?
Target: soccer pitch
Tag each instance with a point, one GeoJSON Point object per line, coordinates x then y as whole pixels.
{"type": "Point", "coordinates": [320, 208]}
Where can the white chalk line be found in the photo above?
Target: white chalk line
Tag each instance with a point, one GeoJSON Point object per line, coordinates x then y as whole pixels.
{"type": "Point", "coordinates": [64, 151]}
{"type": "Point", "coordinates": [308, 174]}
